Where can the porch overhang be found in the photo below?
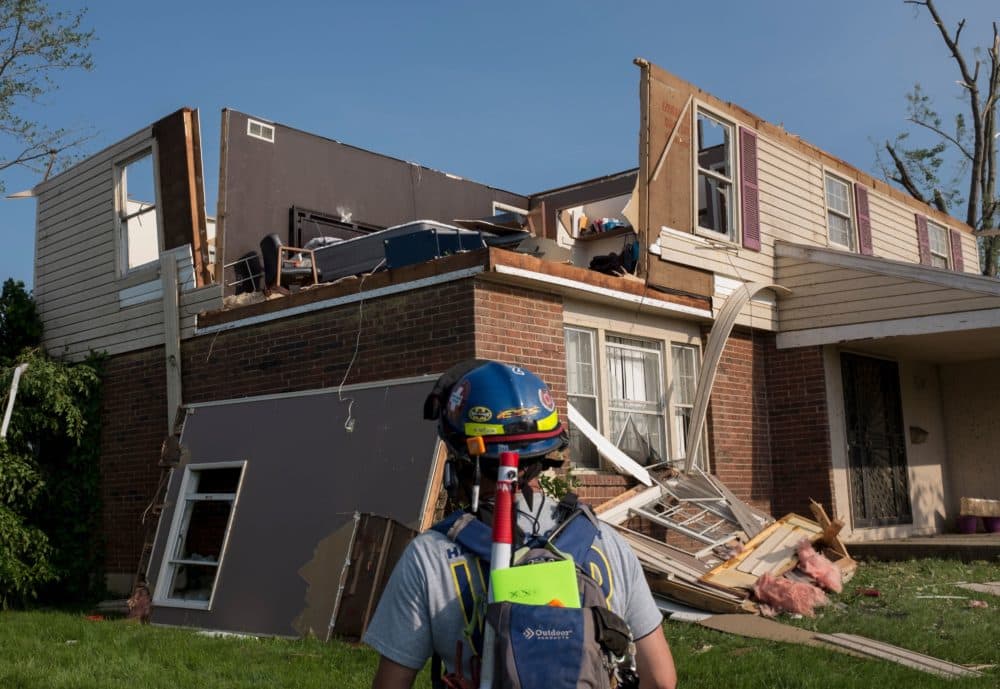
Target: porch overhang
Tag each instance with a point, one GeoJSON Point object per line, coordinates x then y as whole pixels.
{"type": "Point", "coordinates": [884, 306]}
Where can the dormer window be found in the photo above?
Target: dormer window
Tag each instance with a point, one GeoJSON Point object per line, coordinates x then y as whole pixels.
{"type": "Point", "coordinates": [715, 164]}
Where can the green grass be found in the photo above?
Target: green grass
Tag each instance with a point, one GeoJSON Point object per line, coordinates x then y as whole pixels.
{"type": "Point", "coordinates": [53, 649]}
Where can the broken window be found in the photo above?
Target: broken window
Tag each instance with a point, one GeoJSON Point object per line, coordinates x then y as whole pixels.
{"type": "Point", "coordinates": [634, 397]}
{"type": "Point", "coordinates": [937, 237]}
{"type": "Point", "coordinates": [136, 208]}
{"type": "Point", "coordinates": [198, 535]}
{"type": "Point", "coordinates": [715, 164]}
{"type": "Point", "coordinates": [839, 216]}
{"type": "Point", "coordinates": [581, 390]}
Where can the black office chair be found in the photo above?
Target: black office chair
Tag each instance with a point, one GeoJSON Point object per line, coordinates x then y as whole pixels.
{"type": "Point", "coordinates": [286, 265]}
{"type": "Point", "coordinates": [248, 272]}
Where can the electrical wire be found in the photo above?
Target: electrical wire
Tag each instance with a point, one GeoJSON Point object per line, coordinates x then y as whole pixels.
{"type": "Point", "coordinates": [349, 421]}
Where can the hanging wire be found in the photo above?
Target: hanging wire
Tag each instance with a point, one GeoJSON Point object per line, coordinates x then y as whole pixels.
{"type": "Point", "coordinates": [349, 421]}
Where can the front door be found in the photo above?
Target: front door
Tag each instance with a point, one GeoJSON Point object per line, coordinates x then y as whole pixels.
{"type": "Point", "coordinates": [876, 446]}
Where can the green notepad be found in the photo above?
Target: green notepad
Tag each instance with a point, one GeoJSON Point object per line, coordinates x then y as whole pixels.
{"type": "Point", "coordinates": [543, 583]}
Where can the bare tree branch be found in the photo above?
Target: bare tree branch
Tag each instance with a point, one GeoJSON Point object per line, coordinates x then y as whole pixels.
{"type": "Point", "coordinates": [903, 175]}
{"type": "Point", "coordinates": [943, 134]}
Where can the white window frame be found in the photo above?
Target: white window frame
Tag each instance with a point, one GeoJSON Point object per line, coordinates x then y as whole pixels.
{"type": "Point", "coordinates": [734, 233]}
{"type": "Point", "coordinates": [933, 228]}
{"type": "Point", "coordinates": [850, 216]}
{"type": "Point", "coordinates": [678, 433]}
{"type": "Point", "coordinates": [600, 329]}
{"type": "Point", "coordinates": [263, 128]}
{"type": "Point", "coordinates": [660, 384]}
{"type": "Point", "coordinates": [595, 368]}
{"type": "Point", "coordinates": [178, 531]}
{"type": "Point", "coordinates": [122, 216]}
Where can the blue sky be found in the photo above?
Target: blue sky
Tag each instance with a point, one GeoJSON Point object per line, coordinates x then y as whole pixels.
{"type": "Point", "coordinates": [524, 96]}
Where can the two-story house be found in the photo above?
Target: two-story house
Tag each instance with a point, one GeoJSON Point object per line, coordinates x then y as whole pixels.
{"type": "Point", "coordinates": [772, 314]}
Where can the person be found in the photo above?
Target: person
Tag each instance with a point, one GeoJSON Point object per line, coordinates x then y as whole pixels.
{"type": "Point", "coordinates": [423, 612]}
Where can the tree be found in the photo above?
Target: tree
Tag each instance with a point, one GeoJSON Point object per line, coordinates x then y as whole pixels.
{"type": "Point", "coordinates": [49, 472]}
{"type": "Point", "coordinates": [971, 141]}
{"type": "Point", "coordinates": [36, 45]}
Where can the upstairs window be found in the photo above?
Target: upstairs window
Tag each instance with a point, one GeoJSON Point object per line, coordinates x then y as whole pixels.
{"type": "Point", "coordinates": [715, 163]}
{"type": "Point", "coordinates": [136, 209]}
{"type": "Point", "coordinates": [839, 213]}
{"type": "Point", "coordinates": [937, 238]}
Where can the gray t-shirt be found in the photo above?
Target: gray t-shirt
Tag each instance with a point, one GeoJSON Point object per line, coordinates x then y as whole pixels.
{"type": "Point", "coordinates": [421, 611]}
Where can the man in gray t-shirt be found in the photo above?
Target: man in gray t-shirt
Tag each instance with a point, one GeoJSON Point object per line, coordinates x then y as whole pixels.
{"type": "Point", "coordinates": [422, 610]}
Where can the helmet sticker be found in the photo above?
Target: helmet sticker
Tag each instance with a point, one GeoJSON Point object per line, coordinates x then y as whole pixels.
{"type": "Point", "coordinates": [480, 414]}
{"type": "Point", "coordinates": [458, 396]}
{"type": "Point", "coordinates": [545, 397]}
{"type": "Point", "coordinates": [517, 370]}
{"type": "Point", "coordinates": [516, 412]}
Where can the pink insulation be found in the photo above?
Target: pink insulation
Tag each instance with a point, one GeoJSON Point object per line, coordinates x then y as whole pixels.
{"type": "Point", "coordinates": [788, 596]}
{"type": "Point", "coordinates": [817, 566]}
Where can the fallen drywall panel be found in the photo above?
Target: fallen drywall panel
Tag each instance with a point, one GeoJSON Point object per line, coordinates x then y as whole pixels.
{"type": "Point", "coordinates": [324, 575]}
{"type": "Point", "coordinates": [757, 627]}
{"type": "Point", "coordinates": [607, 449]}
{"type": "Point", "coordinates": [304, 477]}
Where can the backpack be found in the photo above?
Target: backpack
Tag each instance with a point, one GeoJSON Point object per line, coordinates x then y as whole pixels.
{"type": "Point", "coordinates": [544, 646]}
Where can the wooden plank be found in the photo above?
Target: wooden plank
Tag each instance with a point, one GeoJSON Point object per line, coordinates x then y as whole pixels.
{"type": "Point", "coordinates": [619, 499]}
{"type": "Point", "coordinates": [699, 597]}
{"type": "Point", "coordinates": [763, 548]}
{"type": "Point", "coordinates": [902, 656]}
{"type": "Point", "coordinates": [434, 486]}
{"type": "Point", "coordinates": [835, 544]}
{"type": "Point", "coordinates": [781, 558]}
{"type": "Point", "coordinates": [756, 627]}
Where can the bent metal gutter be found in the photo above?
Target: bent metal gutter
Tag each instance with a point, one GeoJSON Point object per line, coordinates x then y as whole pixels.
{"type": "Point", "coordinates": [10, 400]}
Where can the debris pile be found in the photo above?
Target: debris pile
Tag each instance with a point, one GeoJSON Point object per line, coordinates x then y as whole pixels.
{"type": "Point", "coordinates": [703, 547]}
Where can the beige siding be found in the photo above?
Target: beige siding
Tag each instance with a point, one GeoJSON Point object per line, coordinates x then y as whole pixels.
{"type": "Point", "coordinates": [793, 209]}
{"type": "Point", "coordinates": [828, 296]}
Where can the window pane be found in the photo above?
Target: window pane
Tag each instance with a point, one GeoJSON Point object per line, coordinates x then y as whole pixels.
{"type": "Point", "coordinates": [840, 230]}
{"type": "Point", "coordinates": [939, 261]}
{"type": "Point", "coordinates": [714, 204]}
{"type": "Point", "coordinates": [638, 435]}
{"type": "Point", "coordinates": [141, 236]}
{"type": "Point", "coordinates": [138, 181]}
{"type": "Point", "coordinates": [207, 522]}
{"type": "Point", "coordinates": [684, 381]}
{"type": "Point", "coordinates": [582, 451]}
{"type": "Point", "coordinates": [193, 582]}
{"type": "Point", "coordinates": [682, 421]}
{"type": "Point", "coordinates": [633, 378]}
{"type": "Point", "coordinates": [938, 238]}
{"type": "Point", "coordinates": [714, 146]}
{"type": "Point", "coordinates": [838, 196]}
{"type": "Point", "coordinates": [224, 480]}
{"type": "Point", "coordinates": [579, 362]}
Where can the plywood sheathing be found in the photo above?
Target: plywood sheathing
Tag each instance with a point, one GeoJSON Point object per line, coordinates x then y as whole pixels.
{"type": "Point", "coordinates": [182, 189]}
{"type": "Point", "coordinates": [662, 98]}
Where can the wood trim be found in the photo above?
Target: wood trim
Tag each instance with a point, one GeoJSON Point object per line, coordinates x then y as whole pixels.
{"type": "Point", "coordinates": [918, 325]}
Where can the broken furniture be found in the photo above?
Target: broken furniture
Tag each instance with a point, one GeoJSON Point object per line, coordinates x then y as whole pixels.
{"type": "Point", "coordinates": [248, 271]}
{"type": "Point", "coordinates": [287, 265]}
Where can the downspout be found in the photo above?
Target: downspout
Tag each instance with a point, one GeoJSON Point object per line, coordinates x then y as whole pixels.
{"type": "Point", "coordinates": [10, 400]}
{"type": "Point", "coordinates": [724, 323]}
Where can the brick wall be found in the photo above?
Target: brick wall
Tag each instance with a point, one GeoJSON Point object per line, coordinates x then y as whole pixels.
{"type": "Point", "coordinates": [523, 326]}
{"type": "Point", "coordinates": [800, 429]}
{"type": "Point", "coordinates": [133, 426]}
{"type": "Point", "coordinates": [738, 422]}
{"type": "Point", "coordinates": [413, 333]}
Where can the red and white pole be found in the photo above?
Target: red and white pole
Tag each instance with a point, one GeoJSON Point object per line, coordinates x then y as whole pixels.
{"type": "Point", "coordinates": [500, 554]}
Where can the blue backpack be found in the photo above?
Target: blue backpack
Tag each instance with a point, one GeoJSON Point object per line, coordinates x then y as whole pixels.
{"type": "Point", "coordinates": [542, 646]}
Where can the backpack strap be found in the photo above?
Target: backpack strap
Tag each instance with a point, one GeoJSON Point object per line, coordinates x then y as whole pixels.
{"type": "Point", "coordinates": [469, 532]}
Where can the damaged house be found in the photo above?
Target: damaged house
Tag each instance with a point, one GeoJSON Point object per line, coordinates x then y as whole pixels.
{"type": "Point", "coordinates": [741, 302]}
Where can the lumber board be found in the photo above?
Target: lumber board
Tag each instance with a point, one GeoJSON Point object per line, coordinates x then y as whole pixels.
{"type": "Point", "coordinates": [757, 627]}
{"type": "Point", "coordinates": [912, 659]}
{"type": "Point", "coordinates": [782, 557]}
{"type": "Point", "coordinates": [788, 528]}
{"type": "Point", "coordinates": [619, 499]}
{"type": "Point", "coordinates": [698, 596]}
{"type": "Point", "coordinates": [824, 521]}
{"type": "Point", "coordinates": [760, 550]}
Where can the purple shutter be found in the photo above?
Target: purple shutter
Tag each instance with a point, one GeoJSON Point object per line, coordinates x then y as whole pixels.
{"type": "Point", "coordinates": [957, 264]}
{"type": "Point", "coordinates": [749, 190]}
{"type": "Point", "coordinates": [864, 220]}
{"type": "Point", "coordinates": [923, 241]}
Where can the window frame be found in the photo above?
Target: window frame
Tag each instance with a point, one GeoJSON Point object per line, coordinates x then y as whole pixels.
{"type": "Point", "coordinates": [852, 215]}
{"type": "Point", "coordinates": [932, 227]}
{"type": "Point", "coordinates": [596, 381]}
{"type": "Point", "coordinates": [122, 216]}
{"type": "Point", "coordinates": [661, 374]}
{"type": "Point", "coordinates": [168, 563]}
{"type": "Point", "coordinates": [736, 225]}
{"type": "Point", "coordinates": [499, 208]}
{"type": "Point", "coordinates": [679, 333]}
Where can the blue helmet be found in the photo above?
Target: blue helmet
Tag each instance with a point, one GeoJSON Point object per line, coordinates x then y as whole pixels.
{"type": "Point", "coordinates": [507, 405]}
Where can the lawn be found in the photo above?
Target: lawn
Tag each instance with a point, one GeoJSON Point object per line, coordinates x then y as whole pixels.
{"type": "Point", "coordinates": [54, 649]}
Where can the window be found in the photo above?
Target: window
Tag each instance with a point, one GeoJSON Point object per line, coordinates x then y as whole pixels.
{"type": "Point", "coordinates": [581, 392]}
{"type": "Point", "coordinates": [136, 207]}
{"type": "Point", "coordinates": [715, 164]}
{"type": "Point", "coordinates": [937, 238]}
{"type": "Point", "coordinates": [502, 208]}
{"type": "Point", "coordinates": [839, 215]}
{"type": "Point", "coordinates": [198, 536]}
{"type": "Point", "coordinates": [685, 382]}
{"type": "Point", "coordinates": [259, 130]}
